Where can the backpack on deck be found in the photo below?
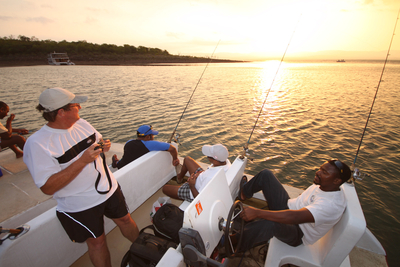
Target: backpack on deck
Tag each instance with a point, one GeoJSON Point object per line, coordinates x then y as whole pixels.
{"type": "Point", "coordinates": [147, 250]}
{"type": "Point", "coordinates": [167, 222]}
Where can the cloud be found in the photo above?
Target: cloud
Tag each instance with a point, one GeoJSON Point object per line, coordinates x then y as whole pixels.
{"type": "Point", "coordinates": [177, 35]}
{"type": "Point", "coordinates": [384, 2]}
{"type": "Point", "coordinates": [90, 20]}
{"type": "Point", "coordinates": [47, 6]}
{"type": "Point", "coordinates": [42, 20]}
{"type": "Point", "coordinates": [5, 18]}
{"type": "Point", "coordinates": [97, 10]}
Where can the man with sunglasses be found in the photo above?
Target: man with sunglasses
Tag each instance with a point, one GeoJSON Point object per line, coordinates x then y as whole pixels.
{"type": "Point", "coordinates": [64, 159]}
{"type": "Point", "coordinates": [143, 144]}
{"type": "Point", "coordinates": [304, 219]}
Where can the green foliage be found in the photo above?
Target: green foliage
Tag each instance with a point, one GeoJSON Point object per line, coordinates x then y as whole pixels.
{"type": "Point", "coordinates": [23, 45]}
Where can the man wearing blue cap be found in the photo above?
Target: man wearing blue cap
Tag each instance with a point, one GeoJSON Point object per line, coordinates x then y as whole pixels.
{"type": "Point", "coordinates": [143, 144]}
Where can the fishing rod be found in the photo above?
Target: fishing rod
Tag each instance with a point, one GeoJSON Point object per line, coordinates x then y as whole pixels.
{"type": "Point", "coordinates": [356, 173]}
{"type": "Point", "coordinates": [246, 145]}
{"type": "Point", "coordinates": [176, 127]}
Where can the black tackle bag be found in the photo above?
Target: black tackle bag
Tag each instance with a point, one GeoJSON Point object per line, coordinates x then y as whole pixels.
{"type": "Point", "coordinates": [167, 222]}
{"type": "Point", "coordinates": [147, 250]}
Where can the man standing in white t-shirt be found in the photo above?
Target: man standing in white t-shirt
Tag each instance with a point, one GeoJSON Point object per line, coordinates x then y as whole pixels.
{"type": "Point", "coordinates": [304, 219]}
{"type": "Point", "coordinates": [65, 158]}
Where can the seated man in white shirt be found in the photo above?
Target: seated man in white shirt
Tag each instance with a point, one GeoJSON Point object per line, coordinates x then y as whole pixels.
{"type": "Point", "coordinates": [218, 157]}
{"type": "Point", "coordinates": [304, 219]}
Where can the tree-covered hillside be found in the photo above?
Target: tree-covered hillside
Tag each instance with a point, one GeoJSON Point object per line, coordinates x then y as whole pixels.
{"type": "Point", "coordinates": [24, 50]}
{"type": "Point", "coordinates": [23, 45]}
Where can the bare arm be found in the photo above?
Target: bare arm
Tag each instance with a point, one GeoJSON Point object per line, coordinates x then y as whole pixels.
{"type": "Point", "coordinates": [61, 179]}
{"type": "Point", "coordinates": [281, 216]}
{"type": "Point", "coordinates": [8, 134]}
{"type": "Point", "coordinates": [20, 130]}
{"type": "Point", "coordinates": [174, 153]}
{"type": "Point", "coordinates": [192, 183]}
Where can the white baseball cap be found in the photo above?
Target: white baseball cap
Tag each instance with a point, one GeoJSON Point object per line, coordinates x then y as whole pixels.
{"type": "Point", "coordinates": [55, 98]}
{"type": "Point", "coordinates": [217, 152]}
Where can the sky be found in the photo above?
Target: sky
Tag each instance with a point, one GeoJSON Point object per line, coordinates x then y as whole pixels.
{"type": "Point", "coordinates": [235, 29]}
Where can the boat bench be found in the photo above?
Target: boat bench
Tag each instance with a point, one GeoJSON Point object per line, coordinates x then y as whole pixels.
{"type": "Point", "coordinates": [330, 250]}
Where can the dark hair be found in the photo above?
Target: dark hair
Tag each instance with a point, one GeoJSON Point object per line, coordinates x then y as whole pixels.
{"type": "Point", "coordinates": [3, 105]}
{"type": "Point", "coordinates": [51, 116]}
{"type": "Point", "coordinates": [342, 168]}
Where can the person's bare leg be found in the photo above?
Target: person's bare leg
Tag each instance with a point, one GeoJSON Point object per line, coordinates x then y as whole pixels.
{"type": "Point", "coordinates": [190, 165]}
{"type": "Point", "coordinates": [14, 141]}
{"type": "Point", "coordinates": [98, 251]}
{"type": "Point", "coordinates": [171, 190]}
{"type": "Point", "coordinates": [18, 153]}
{"type": "Point", "coordinates": [128, 227]}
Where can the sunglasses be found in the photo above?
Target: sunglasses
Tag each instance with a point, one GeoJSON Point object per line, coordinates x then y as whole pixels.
{"type": "Point", "coordinates": [339, 165]}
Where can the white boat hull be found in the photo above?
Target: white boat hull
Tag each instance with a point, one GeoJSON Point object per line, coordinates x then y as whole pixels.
{"type": "Point", "coordinates": [47, 244]}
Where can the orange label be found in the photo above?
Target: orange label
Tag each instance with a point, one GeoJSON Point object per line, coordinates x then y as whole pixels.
{"type": "Point", "coordinates": [199, 208]}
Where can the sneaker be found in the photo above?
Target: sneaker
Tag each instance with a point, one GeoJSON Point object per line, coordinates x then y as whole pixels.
{"type": "Point", "coordinates": [243, 181]}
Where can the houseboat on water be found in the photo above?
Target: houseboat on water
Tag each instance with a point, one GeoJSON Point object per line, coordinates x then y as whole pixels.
{"type": "Point", "coordinates": [59, 59]}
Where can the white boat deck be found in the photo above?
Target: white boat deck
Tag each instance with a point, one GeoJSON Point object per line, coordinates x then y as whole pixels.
{"type": "Point", "coordinates": [21, 200]}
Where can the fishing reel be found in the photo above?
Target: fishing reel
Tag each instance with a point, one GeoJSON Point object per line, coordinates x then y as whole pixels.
{"type": "Point", "coordinates": [177, 137]}
{"type": "Point", "coordinates": [358, 176]}
{"type": "Point", "coordinates": [246, 152]}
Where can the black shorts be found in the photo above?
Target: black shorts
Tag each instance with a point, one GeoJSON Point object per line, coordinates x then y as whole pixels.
{"type": "Point", "coordinates": [90, 223]}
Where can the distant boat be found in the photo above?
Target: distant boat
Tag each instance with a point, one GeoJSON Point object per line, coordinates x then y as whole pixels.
{"type": "Point", "coordinates": [340, 60]}
{"type": "Point", "coordinates": [59, 59]}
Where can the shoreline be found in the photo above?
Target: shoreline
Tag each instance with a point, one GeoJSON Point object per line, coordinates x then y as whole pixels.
{"type": "Point", "coordinates": [110, 63]}
{"type": "Point", "coordinates": [107, 60]}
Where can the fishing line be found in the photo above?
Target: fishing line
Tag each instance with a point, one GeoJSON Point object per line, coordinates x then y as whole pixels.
{"type": "Point", "coordinates": [272, 83]}
{"type": "Point", "coordinates": [376, 92]}
{"type": "Point", "coordinates": [173, 133]}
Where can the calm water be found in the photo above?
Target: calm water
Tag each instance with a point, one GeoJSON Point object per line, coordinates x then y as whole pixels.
{"type": "Point", "coordinates": [315, 111]}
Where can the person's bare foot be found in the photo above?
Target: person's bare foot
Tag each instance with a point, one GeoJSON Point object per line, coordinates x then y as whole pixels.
{"type": "Point", "coordinates": [19, 154]}
{"type": "Point", "coordinates": [178, 170]}
{"type": "Point", "coordinates": [114, 161]}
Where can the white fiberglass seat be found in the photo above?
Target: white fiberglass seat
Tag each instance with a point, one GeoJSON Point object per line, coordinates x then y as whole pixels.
{"type": "Point", "coordinates": [203, 214]}
{"type": "Point", "coordinates": [331, 250]}
{"type": "Point", "coordinates": [214, 201]}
